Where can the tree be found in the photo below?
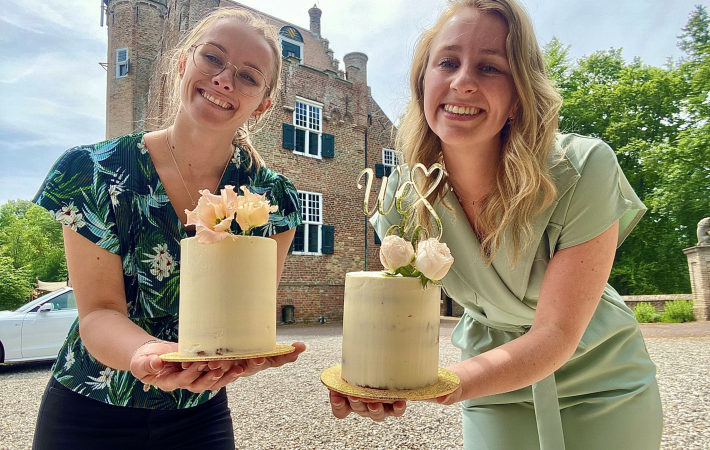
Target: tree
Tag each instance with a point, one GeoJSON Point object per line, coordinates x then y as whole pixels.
{"type": "Point", "coordinates": [31, 246]}
{"type": "Point", "coordinates": [658, 122]}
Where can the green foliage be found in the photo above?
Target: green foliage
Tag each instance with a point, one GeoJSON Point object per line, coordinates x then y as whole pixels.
{"type": "Point", "coordinates": [646, 313]}
{"type": "Point", "coordinates": [15, 285]}
{"type": "Point", "coordinates": [678, 311]}
{"type": "Point", "coordinates": [658, 122]}
{"type": "Point", "coordinates": [31, 242]}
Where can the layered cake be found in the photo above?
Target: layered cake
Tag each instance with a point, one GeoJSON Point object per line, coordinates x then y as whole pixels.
{"type": "Point", "coordinates": [390, 331]}
{"type": "Point", "coordinates": [227, 296]}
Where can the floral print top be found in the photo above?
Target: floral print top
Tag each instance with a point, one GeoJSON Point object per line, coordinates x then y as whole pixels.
{"type": "Point", "coordinates": [111, 194]}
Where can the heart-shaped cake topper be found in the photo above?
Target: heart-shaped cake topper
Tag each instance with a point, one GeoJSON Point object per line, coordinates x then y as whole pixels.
{"type": "Point", "coordinates": [411, 191]}
{"type": "Point", "coordinates": [422, 257]}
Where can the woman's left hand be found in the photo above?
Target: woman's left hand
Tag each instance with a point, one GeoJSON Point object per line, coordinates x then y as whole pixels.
{"type": "Point", "coordinates": [376, 410]}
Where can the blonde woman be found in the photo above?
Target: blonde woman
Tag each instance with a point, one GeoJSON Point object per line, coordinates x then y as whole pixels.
{"type": "Point", "coordinates": [122, 205]}
{"type": "Point", "coordinates": [551, 356]}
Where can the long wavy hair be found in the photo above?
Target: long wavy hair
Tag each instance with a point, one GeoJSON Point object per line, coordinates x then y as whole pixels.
{"type": "Point", "coordinates": [524, 186]}
{"type": "Point", "coordinates": [167, 106]}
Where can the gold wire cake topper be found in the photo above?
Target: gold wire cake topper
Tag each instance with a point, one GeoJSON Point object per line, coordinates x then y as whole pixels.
{"type": "Point", "coordinates": [407, 248]}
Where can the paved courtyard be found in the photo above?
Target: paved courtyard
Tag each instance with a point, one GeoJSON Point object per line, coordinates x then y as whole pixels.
{"type": "Point", "coordinates": [288, 408]}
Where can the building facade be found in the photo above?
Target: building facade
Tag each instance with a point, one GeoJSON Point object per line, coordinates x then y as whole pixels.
{"type": "Point", "coordinates": [324, 129]}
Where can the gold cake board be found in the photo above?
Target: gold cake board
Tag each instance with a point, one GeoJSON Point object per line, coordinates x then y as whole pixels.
{"type": "Point", "coordinates": [448, 383]}
{"type": "Point", "coordinates": [279, 350]}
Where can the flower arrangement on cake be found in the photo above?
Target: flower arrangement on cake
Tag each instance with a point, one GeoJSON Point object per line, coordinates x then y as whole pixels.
{"type": "Point", "coordinates": [391, 317]}
{"type": "Point", "coordinates": [227, 286]}
{"type": "Point", "coordinates": [214, 214]}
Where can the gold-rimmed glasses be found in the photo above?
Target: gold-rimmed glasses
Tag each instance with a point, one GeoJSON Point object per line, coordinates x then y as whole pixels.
{"type": "Point", "coordinates": [211, 60]}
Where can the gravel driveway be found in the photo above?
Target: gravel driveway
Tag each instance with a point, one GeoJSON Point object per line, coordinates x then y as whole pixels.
{"type": "Point", "coordinates": [288, 408]}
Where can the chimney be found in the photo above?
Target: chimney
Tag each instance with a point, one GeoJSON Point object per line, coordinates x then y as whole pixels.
{"type": "Point", "coordinates": [315, 14]}
{"type": "Point", "coordinates": [356, 67]}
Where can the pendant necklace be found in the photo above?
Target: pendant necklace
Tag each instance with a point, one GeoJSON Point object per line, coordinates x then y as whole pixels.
{"type": "Point", "coordinates": [170, 148]}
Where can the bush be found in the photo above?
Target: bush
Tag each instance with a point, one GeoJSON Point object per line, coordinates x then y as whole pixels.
{"type": "Point", "coordinates": [678, 311]}
{"type": "Point", "coordinates": [646, 313]}
{"type": "Point", "coordinates": [15, 285]}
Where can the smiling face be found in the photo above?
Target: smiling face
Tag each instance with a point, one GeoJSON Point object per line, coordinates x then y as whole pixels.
{"type": "Point", "coordinates": [213, 101]}
{"type": "Point", "coordinates": [469, 92]}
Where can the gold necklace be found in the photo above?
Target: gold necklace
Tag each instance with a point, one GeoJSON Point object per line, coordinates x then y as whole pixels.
{"type": "Point", "coordinates": [464, 201]}
{"type": "Point", "coordinates": [170, 149]}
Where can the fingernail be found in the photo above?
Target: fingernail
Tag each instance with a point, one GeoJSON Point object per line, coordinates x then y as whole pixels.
{"type": "Point", "coordinates": [399, 408]}
{"type": "Point", "coordinates": [354, 400]}
{"type": "Point", "coordinates": [375, 410]}
{"type": "Point", "coordinates": [235, 375]}
{"type": "Point", "coordinates": [216, 378]}
{"type": "Point", "coordinates": [202, 367]}
{"type": "Point", "coordinates": [151, 365]}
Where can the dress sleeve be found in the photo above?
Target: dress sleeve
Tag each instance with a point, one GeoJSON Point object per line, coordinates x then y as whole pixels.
{"type": "Point", "coordinates": [601, 196]}
{"type": "Point", "coordinates": [281, 192]}
{"type": "Point", "coordinates": [76, 196]}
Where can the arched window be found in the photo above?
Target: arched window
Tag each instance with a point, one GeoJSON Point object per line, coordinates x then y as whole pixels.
{"type": "Point", "coordinates": [291, 42]}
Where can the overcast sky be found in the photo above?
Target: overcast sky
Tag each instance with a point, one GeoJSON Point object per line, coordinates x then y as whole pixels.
{"type": "Point", "coordinates": [53, 91]}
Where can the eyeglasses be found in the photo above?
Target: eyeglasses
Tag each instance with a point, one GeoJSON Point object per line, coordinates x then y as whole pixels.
{"type": "Point", "coordinates": [210, 60]}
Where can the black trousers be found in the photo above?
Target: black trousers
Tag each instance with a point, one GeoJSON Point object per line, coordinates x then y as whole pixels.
{"type": "Point", "coordinates": [68, 420]}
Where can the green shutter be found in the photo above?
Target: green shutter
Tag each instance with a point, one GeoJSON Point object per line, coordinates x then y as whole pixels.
{"type": "Point", "coordinates": [328, 239]}
{"type": "Point", "coordinates": [377, 238]}
{"type": "Point", "coordinates": [328, 146]}
{"type": "Point", "coordinates": [379, 170]}
{"type": "Point", "coordinates": [289, 136]}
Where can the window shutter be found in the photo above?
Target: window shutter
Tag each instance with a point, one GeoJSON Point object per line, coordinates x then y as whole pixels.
{"type": "Point", "coordinates": [379, 170]}
{"type": "Point", "coordinates": [328, 146]}
{"type": "Point", "coordinates": [289, 136]}
{"type": "Point", "coordinates": [328, 239]}
{"type": "Point", "coordinates": [377, 238]}
{"type": "Point", "coordinates": [388, 171]}
{"type": "Point", "coordinates": [121, 62]}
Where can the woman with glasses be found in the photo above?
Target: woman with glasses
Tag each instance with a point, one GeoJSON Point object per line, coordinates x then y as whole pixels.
{"type": "Point", "coordinates": [122, 205]}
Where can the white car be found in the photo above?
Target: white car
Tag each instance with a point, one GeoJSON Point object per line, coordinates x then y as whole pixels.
{"type": "Point", "coordinates": [37, 330]}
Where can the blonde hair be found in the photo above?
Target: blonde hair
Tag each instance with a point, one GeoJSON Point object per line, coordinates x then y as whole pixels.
{"type": "Point", "coordinates": [524, 186]}
{"type": "Point", "coordinates": [167, 105]}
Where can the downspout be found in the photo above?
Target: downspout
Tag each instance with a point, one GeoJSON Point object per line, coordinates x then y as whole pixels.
{"type": "Point", "coordinates": [369, 118]}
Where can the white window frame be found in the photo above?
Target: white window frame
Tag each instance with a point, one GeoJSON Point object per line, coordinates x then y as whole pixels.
{"type": "Point", "coordinates": [311, 218]}
{"type": "Point", "coordinates": [291, 41]}
{"type": "Point", "coordinates": [121, 63]}
{"type": "Point", "coordinates": [390, 158]}
{"type": "Point", "coordinates": [309, 105]}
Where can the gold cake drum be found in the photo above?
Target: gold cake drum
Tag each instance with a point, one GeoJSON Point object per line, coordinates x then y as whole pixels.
{"type": "Point", "coordinates": [448, 383]}
{"type": "Point", "coordinates": [279, 350]}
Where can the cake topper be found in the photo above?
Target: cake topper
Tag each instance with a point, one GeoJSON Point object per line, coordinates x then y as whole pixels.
{"type": "Point", "coordinates": [213, 214]}
{"type": "Point", "coordinates": [407, 249]}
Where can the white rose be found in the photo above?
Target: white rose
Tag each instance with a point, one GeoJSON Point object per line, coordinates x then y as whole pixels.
{"type": "Point", "coordinates": [433, 259]}
{"type": "Point", "coordinates": [395, 252]}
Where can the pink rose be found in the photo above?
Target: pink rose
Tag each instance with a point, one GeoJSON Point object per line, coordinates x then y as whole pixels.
{"type": "Point", "coordinates": [395, 253]}
{"type": "Point", "coordinates": [433, 259]}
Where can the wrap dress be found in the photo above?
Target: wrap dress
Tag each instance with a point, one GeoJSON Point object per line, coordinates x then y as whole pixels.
{"type": "Point", "coordinates": [605, 396]}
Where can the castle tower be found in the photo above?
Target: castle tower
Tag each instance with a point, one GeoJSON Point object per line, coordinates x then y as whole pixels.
{"type": "Point", "coordinates": [135, 29]}
{"type": "Point", "coordinates": [315, 14]}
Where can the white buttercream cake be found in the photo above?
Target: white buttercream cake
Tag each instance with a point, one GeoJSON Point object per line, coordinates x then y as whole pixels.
{"type": "Point", "coordinates": [227, 296]}
{"type": "Point", "coordinates": [390, 331]}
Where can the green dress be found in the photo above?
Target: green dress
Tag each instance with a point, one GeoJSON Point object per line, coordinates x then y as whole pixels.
{"type": "Point", "coordinates": [111, 194]}
{"type": "Point", "coordinates": [606, 395]}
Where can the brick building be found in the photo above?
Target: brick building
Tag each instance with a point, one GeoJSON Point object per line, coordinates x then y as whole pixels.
{"type": "Point", "coordinates": [324, 129]}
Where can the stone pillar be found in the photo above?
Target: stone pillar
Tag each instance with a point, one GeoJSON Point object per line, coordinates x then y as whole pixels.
{"type": "Point", "coordinates": [699, 265]}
